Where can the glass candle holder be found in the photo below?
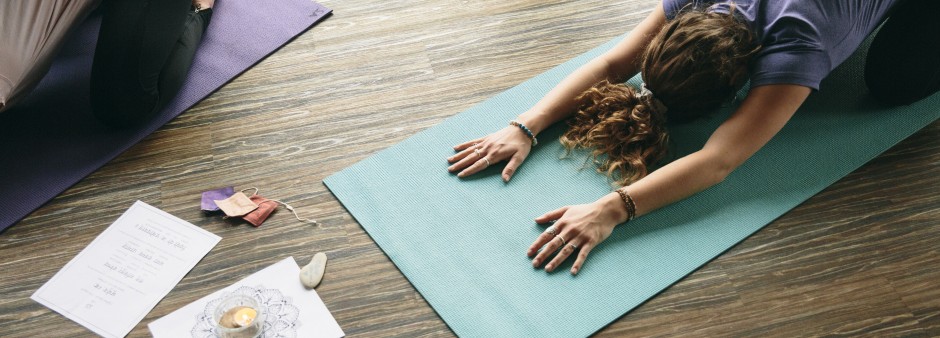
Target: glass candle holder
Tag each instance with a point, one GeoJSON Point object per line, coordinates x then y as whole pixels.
{"type": "Point", "coordinates": [239, 316]}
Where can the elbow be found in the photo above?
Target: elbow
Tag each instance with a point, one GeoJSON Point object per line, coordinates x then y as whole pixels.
{"type": "Point", "coordinates": [614, 70]}
{"type": "Point", "coordinates": [619, 72]}
{"type": "Point", "coordinates": [719, 168]}
{"type": "Point", "coordinates": [720, 172]}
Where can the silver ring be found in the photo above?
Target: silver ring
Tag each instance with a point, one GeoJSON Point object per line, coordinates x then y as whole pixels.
{"type": "Point", "coordinates": [573, 247]}
{"type": "Point", "coordinates": [563, 241]}
{"type": "Point", "coordinates": [487, 161]}
{"type": "Point", "coordinates": [477, 151]}
{"type": "Point", "coordinates": [551, 230]}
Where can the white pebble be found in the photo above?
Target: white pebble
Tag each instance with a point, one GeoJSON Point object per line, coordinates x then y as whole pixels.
{"type": "Point", "coordinates": [312, 273]}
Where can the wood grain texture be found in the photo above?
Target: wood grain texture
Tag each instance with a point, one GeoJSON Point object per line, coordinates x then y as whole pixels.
{"type": "Point", "coordinates": [860, 257]}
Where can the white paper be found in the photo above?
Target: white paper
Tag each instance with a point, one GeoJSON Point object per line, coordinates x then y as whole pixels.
{"type": "Point", "coordinates": [299, 312]}
{"type": "Point", "coordinates": [117, 279]}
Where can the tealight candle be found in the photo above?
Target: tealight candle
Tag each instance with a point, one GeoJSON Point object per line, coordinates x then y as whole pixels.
{"type": "Point", "coordinates": [238, 316]}
{"type": "Point", "coordinates": [244, 316]}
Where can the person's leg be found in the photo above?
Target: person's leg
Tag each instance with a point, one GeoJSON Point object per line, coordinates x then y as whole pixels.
{"type": "Point", "coordinates": [903, 64]}
{"type": "Point", "coordinates": [180, 59]}
{"type": "Point", "coordinates": [31, 33]}
{"type": "Point", "coordinates": [144, 51]}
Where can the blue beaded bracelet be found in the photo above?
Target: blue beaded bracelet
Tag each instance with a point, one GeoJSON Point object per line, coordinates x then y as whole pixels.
{"type": "Point", "coordinates": [528, 132]}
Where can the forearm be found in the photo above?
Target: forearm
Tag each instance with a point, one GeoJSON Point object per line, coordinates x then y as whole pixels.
{"type": "Point", "coordinates": [560, 103]}
{"type": "Point", "coordinates": [673, 182]}
{"type": "Point", "coordinates": [582, 227]}
{"type": "Point", "coordinates": [678, 180]}
{"type": "Point", "coordinates": [761, 116]}
{"type": "Point", "coordinates": [617, 65]}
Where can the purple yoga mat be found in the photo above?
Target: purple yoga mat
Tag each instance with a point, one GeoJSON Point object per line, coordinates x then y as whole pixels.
{"type": "Point", "coordinates": [51, 140]}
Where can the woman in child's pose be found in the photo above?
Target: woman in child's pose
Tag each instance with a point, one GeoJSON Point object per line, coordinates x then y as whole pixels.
{"type": "Point", "coordinates": [694, 55]}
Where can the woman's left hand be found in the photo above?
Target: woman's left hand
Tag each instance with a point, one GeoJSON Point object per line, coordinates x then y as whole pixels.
{"type": "Point", "coordinates": [577, 227]}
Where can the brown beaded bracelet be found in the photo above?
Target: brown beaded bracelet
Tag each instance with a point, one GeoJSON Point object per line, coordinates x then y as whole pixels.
{"type": "Point", "coordinates": [628, 203]}
{"type": "Point", "coordinates": [525, 130]}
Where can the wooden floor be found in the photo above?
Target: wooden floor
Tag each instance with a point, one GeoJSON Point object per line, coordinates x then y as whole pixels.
{"type": "Point", "coordinates": [862, 257]}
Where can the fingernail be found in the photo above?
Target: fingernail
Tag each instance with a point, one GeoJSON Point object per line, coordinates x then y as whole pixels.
{"type": "Point", "coordinates": [549, 267]}
{"type": "Point", "coordinates": [535, 263]}
{"type": "Point", "coordinates": [574, 271]}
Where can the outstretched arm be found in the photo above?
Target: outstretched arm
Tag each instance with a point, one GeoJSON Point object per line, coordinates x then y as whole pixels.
{"type": "Point", "coordinates": [616, 65]}
{"type": "Point", "coordinates": [511, 143]}
{"type": "Point", "coordinates": [762, 114]}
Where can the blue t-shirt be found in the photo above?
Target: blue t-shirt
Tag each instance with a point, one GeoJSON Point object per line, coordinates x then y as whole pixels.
{"type": "Point", "coordinates": [803, 40]}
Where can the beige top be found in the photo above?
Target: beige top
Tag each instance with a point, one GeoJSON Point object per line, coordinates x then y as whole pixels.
{"type": "Point", "coordinates": [31, 32]}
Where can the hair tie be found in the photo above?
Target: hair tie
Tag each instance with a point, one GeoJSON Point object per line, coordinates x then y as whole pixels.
{"type": "Point", "coordinates": [647, 95]}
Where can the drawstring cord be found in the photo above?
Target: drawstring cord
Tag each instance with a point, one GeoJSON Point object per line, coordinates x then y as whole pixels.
{"type": "Point", "coordinates": [292, 210]}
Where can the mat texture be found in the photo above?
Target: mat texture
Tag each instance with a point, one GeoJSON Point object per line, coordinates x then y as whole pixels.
{"type": "Point", "coordinates": [51, 141]}
{"type": "Point", "coordinates": [462, 243]}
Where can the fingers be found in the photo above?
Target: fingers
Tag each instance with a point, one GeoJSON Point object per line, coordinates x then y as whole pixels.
{"type": "Point", "coordinates": [551, 215]}
{"type": "Point", "coordinates": [561, 240]}
{"type": "Point", "coordinates": [565, 251]}
{"type": "Point", "coordinates": [467, 144]}
{"type": "Point", "coordinates": [470, 158]}
{"type": "Point", "coordinates": [462, 155]}
{"type": "Point", "coordinates": [545, 237]}
{"type": "Point", "coordinates": [476, 155]}
{"type": "Point", "coordinates": [553, 245]}
{"type": "Point", "coordinates": [476, 167]}
{"type": "Point", "coordinates": [513, 164]}
{"type": "Point", "coordinates": [582, 255]}
{"type": "Point", "coordinates": [476, 159]}
{"type": "Point", "coordinates": [561, 256]}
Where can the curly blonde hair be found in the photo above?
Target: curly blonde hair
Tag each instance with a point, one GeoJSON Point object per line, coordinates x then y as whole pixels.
{"type": "Point", "coordinates": [696, 62]}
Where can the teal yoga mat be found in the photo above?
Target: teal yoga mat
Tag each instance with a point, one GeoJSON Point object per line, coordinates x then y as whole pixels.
{"type": "Point", "coordinates": [462, 242]}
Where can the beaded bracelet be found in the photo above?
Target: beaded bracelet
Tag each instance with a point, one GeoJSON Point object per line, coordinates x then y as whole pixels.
{"type": "Point", "coordinates": [628, 203]}
{"type": "Point", "coordinates": [528, 132]}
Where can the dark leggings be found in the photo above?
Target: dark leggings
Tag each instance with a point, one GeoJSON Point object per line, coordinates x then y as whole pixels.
{"type": "Point", "coordinates": [903, 63]}
{"type": "Point", "coordinates": [145, 49]}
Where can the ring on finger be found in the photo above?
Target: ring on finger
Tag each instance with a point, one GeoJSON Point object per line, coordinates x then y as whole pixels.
{"type": "Point", "coordinates": [563, 241]}
{"type": "Point", "coordinates": [487, 161]}
{"type": "Point", "coordinates": [551, 230]}
{"type": "Point", "coordinates": [477, 151]}
{"type": "Point", "coordinates": [573, 247]}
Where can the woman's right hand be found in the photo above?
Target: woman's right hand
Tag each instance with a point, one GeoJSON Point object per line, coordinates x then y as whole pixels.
{"type": "Point", "coordinates": [510, 143]}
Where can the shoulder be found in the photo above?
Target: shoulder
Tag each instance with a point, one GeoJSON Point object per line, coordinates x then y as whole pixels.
{"type": "Point", "coordinates": [674, 7]}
